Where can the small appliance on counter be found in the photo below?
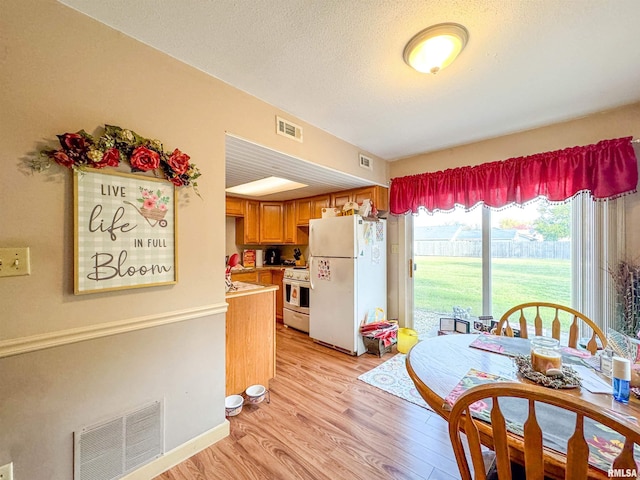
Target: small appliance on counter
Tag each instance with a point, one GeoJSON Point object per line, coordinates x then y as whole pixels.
{"type": "Point", "coordinates": [272, 256]}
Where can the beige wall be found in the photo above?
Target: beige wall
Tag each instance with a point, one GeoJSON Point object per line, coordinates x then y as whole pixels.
{"type": "Point", "coordinates": [61, 72]}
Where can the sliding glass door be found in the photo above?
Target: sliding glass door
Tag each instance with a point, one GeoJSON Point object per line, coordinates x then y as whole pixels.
{"type": "Point", "coordinates": [483, 262]}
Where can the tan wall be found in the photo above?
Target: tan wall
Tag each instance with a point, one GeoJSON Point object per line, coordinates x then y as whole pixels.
{"type": "Point", "coordinates": [620, 122]}
{"type": "Point", "coordinates": [61, 72]}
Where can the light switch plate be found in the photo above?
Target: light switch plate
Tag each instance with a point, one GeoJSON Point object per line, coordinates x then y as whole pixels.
{"type": "Point", "coordinates": [6, 471]}
{"type": "Point", "coordinates": [14, 261]}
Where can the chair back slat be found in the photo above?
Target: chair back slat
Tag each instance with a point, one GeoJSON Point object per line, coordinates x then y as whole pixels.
{"type": "Point", "coordinates": [577, 452]}
{"type": "Point", "coordinates": [543, 311]}
{"type": "Point", "coordinates": [500, 445]}
{"type": "Point", "coordinates": [533, 463]}
{"type": "Point", "coordinates": [537, 322]}
{"type": "Point", "coordinates": [473, 437]}
{"type": "Point", "coordinates": [555, 326]}
{"type": "Point", "coordinates": [523, 325]}
{"type": "Point", "coordinates": [592, 346]}
{"type": "Point", "coordinates": [626, 460]}
{"type": "Point", "coordinates": [530, 443]}
{"type": "Point", "coordinates": [573, 333]}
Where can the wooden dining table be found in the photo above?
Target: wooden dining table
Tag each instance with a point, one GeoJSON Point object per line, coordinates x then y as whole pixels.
{"type": "Point", "coordinates": [436, 366]}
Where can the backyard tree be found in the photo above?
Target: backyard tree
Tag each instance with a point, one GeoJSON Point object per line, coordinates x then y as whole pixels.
{"type": "Point", "coordinates": [554, 222]}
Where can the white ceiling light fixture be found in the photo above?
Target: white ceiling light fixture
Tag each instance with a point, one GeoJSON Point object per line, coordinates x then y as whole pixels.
{"type": "Point", "coordinates": [435, 47]}
{"type": "Point", "coordinates": [265, 186]}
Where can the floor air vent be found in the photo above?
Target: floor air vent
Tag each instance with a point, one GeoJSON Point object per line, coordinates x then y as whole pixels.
{"type": "Point", "coordinates": [288, 129]}
{"type": "Point", "coordinates": [114, 448]}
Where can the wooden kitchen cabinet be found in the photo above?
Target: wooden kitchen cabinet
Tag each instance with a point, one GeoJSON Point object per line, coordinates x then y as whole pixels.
{"type": "Point", "coordinates": [318, 203]}
{"type": "Point", "coordinates": [250, 277]}
{"type": "Point", "coordinates": [294, 234]}
{"type": "Point", "coordinates": [377, 194]}
{"type": "Point", "coordinates": [248, 226]}
{"type": "Point", "coordinates": [303, 211]}
{"type": "Point", "coordinates": [250, 340]}
{"type": "Point", "coordinates": [234, 207]}
{"type": "Point", "coordinates": [265, 276]}
{"type": "Point", "coordinates": [271, 222]}
{"type": "Point", "coordinates": [340, 199]}
{"type": "Point", "coordinates": [277, 275]}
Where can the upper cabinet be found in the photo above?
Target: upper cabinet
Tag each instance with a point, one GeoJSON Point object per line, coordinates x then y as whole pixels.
{"type": "Point", "coordinates": [271, 222]}
{"type": "Point", "coordinates": [248, 227]}
{"type": "Point", "coordinates": [378, 195]}
{"type": "Point", "coordinates": [235, 207]}
{"type": "Point", "coordinates": [280, 222]}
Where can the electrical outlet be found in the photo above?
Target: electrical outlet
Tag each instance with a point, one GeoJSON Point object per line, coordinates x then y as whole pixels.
{"type": "Point", "coordinates": [14, 261]}
{"type": "Point", "coordinates": [6, 471]}
{"type": "Point", "coordinates": [394, 248]}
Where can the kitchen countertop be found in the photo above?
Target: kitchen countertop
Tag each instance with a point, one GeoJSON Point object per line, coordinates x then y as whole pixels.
{"type": "Point", "coordinates": [265, 267]}
{"type": "Point", "coordinates": [246, 288]}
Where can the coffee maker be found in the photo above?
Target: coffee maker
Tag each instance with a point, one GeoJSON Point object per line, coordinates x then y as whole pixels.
{"type": "Point", "coordinates": [272, 256]}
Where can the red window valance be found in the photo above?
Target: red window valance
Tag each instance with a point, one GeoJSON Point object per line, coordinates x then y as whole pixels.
{"type": "Point", "coordinates": [607, 169]}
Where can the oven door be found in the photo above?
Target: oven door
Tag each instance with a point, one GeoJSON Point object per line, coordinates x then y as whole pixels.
{"type": "Point", "coordinates": [296, 295]}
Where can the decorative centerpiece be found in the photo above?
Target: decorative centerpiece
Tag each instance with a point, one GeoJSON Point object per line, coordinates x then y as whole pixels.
{"type": "Point", "coordinates": [568, 378]}
{"type": "Point", "coordinates": [545, 355]}
{"type": "Point", "coordinates": [81, 150]}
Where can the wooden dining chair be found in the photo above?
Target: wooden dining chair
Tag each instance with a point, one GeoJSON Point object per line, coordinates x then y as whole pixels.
{"type": "Point", "coordinates": [537, 311]}
{"type": "Point", "coordinates": [575, 461]}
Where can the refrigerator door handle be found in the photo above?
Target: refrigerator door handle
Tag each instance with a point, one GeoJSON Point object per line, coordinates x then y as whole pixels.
{"type": "Point", "coordinates": [311, 271]}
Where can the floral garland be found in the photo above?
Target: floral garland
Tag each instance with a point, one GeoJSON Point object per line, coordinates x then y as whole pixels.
{"type": "Point", "coordinates": [81, 150]}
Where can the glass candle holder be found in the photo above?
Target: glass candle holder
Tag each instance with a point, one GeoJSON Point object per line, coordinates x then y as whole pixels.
{"type": "Point", "coordinates": [545, 354]}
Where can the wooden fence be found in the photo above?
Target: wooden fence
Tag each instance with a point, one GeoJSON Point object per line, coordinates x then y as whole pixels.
{"type": "Point", "coordinates": [508, 249]}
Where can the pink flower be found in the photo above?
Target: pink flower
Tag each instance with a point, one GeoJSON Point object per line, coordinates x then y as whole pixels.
{"type": "Point", "coordinates": [179, 162]}
{"type": "Point", "coordinates": [162, 207]}
{"type": "Point", "coordinates": [144, 159]}
{"type": "Point", "coordinates": [149, 204]}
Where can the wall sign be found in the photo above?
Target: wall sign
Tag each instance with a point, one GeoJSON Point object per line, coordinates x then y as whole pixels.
{"type": "Point", "coordinates": [125, 231]}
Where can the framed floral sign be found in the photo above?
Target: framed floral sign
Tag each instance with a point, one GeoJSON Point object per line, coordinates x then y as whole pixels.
{"type": "Point", "coordinates": [125, 231]}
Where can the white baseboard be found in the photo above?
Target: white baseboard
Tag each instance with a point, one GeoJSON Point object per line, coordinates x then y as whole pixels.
{"type": "Point", "coordinates": [180, 454]}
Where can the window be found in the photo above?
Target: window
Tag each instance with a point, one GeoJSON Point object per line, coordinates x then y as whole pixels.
{"type": "Point", "coordinates": [483, 262]}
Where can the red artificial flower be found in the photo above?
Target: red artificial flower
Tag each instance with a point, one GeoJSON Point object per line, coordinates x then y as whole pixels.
{"type": "Point", "coordinates": [144, 159]}
{"type": "Point", "coordinates": [111, 158]}
{"type": "Point", "coordinates": [73, 142]}
{"type": "Point", "coordinates": [62, 158]}
{"type": "Point", "coordinates": [179, 162]}
{"type": "Point", "coordinates": [177, 181]}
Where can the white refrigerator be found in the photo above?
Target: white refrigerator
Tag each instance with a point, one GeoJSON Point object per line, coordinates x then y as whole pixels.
{"type": "Point", "coordinates": [348, 270]}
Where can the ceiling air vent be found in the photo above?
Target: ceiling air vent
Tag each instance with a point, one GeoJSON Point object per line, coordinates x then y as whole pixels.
{"type": "Point", "coordinates": [366, 162]}
{"type": "Point", "coordinates": [288, 129]}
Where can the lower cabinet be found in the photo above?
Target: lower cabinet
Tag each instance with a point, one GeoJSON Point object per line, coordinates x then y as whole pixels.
{"type": "Point", "coordinates": [270, 276]}
{"type": "Point", "coordinates": [250, 341]}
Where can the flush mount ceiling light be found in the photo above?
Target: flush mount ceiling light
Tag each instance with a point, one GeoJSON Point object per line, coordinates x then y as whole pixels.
{"type": "Point", "coordinates": [265, 186]}
{"type": "Point", "coordinates": [435, 47]}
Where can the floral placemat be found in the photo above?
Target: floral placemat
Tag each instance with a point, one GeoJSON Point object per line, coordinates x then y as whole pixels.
{"type": "Point", "coordinates": [556, 423]}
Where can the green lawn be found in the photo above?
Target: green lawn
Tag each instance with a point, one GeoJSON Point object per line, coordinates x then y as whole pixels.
{"type": "Point", "coordinates": [440, 283]}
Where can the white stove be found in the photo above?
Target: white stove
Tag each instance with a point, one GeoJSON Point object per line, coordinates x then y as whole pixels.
{"type": "Point", "coordinates": [299, 274]}
{"type": "Point", "coordinates": [295, 290]}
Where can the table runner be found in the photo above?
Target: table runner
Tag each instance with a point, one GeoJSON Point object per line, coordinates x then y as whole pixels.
{"type": "Point", "coordinates": [556, 423]}
{"type": "Point", "coordinates": [513, 346]}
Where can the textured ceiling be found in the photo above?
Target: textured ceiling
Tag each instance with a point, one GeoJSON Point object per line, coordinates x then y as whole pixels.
{"type": "Point", "coordinates": [337, 64]}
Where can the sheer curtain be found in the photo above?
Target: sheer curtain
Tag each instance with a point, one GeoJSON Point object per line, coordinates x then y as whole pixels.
{"type": "Point", "coordinates": [598, 243]}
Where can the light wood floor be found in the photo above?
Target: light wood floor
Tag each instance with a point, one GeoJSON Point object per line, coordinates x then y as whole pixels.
{"type": "Point", "coordinates": [323, 423]}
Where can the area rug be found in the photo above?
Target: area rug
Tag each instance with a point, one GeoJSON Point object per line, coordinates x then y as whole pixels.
{"type": "Point", "coordinates": [392, 377]}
